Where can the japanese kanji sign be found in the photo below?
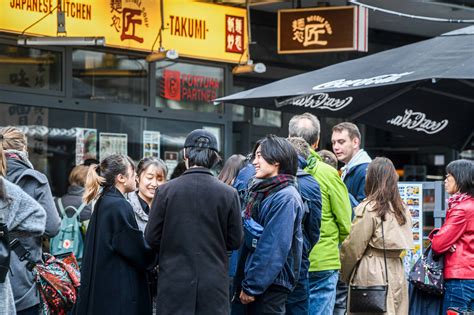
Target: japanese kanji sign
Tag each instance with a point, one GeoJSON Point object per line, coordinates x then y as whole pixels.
{"type": "Point", "coordinates": [322, 30]}
{"type": "Point", "coordinates": [193, 28]}
{"type": "Point", "coordinates": [234, 34]}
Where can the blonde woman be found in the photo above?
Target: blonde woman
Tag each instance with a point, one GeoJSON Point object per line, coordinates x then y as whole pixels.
{"type": "Point", "coordinates": [116, 258]}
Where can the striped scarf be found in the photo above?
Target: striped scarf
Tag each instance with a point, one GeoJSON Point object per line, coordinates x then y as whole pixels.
{"type": "Point", "coordinates": [259, 190]}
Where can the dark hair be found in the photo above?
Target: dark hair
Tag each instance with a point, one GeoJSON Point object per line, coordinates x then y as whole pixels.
{"type": "Point", "coordinates": [381, 188]}
{"type": "Point", "coordinates": [306, 126]}
{"type": "Point", "coordinates": [89, 162]}
{"type": "Point", "coordinates": [146, 162]}
{"type": "Point", "coordinates": [202, 157]}
{"type": "Point", "coordinates": [278, 150]}
{"type": "Point", "coordinates": [328, 158]}
{"type": "Point", "coordinates": [463, 174]}
{"type": "Point", "coordinates": [231, 168]}
{"type": "Point", "coordinates": [301, 146]}
{"type": "Point", "coordinates": [105, 173]}
{"type": "Point", "coordinates": [178, 170]}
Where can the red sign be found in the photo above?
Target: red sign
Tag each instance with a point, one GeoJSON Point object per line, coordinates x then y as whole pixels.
{"type": "Point", "coordinates": [180, 86]}
{"type": "Point", "coordinates": [234, 34]}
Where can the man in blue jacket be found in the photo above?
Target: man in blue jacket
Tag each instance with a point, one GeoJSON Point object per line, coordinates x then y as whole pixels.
{"type": "Point", "coordinates": [273, 201]}
{"type": "Point", "coordinates": [298, 301]}
{"type": "Point", "coordinates": [346, 141]}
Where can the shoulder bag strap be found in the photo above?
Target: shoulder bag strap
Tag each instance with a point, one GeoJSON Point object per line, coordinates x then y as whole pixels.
{"type": "Point", "coordinates": [61, 207]}
{"type": "Point", "coordinates": [384, 254]}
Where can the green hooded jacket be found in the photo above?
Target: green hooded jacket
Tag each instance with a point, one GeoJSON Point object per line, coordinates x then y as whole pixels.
{"type": "Point", "coordinates": [336, 215]}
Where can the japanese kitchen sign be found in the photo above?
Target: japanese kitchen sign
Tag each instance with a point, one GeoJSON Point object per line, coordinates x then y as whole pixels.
{"type": "Point", "coordinates": [322, 29]}
{"type": "Point", "coordinates": [194, 29]}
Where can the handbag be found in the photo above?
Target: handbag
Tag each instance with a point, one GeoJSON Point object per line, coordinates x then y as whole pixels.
{"type": "Point", "coordinates": [57, 279]}
{"type": "Point", "coordinates": [427, 273]}
{"type": "Point", "coordinates": [370, 299]}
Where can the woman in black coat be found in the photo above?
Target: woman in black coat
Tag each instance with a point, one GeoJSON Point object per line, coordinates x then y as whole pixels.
{"type": "Point", "coordinates": [116, 258]}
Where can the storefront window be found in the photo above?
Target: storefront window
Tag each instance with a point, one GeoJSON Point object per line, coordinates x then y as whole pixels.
{"type": "Point", "coordinates": [30, 68]}
{"type": "Point", "coordinates": [192, 87]}
{"type": "Point", "coordinates": [59, 139]}
{"type": "Point", "coordinates": [109, 77]}
{"type": "Point", "coordinates": [266, 117]}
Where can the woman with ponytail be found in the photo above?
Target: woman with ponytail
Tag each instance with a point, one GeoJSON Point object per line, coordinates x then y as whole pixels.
{"type": "Point", "coordinates": [116, 257]}
{"type": "Point", "coordinates": [16, 167]}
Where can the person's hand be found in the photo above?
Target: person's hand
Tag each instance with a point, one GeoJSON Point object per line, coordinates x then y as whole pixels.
{"type": "Point", "coordinates": [246, 299]}
{"type": "Point", "coordinates": [452, 249]}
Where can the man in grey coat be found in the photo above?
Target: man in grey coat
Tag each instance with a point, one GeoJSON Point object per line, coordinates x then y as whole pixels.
{"type": "Point", "coordinates": [194, 220]}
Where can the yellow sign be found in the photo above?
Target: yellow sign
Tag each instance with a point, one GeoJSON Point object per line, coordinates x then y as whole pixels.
{"type": "Point", "coordinates": [206, 31]}
{"type": "Point", "coordinates": [194, 29]}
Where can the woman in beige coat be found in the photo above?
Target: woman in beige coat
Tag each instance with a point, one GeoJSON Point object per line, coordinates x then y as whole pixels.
{"type": "Point", "coordinates": [362, 252]}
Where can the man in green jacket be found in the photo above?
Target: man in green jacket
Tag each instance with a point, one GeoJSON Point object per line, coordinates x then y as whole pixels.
{"type": "Point", "coordinates": [335, 223]}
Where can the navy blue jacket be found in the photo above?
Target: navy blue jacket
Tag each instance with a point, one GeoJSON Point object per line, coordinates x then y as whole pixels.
{"type": "Point", "coordinates": [277, 258]}
{"type": "Point", "coordinates": [355, 181]}
{"type": "Point", "coordinates": [311, 195]}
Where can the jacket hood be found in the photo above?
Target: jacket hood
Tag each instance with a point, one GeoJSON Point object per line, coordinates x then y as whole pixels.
{"type": "Point", "coordinates": [15, 169]}
{"type": "Point", "coordinates": [361, 157]}
{"type": "Point", "coordinates": [313, 159]}
{"type": "Point", "coordinates": [302, 163]}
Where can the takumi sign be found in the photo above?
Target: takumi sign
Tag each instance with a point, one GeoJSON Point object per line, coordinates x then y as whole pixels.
{"type": "Point", "coordinates": [193, 28]}
{"type": "Point", "coordinates": [322, 29]}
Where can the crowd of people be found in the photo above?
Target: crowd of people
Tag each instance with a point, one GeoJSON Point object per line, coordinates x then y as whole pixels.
{"type": "Point", "coordinates": [278, 232]}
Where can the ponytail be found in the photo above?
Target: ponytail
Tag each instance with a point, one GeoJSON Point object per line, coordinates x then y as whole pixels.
{"type": "Point", "coordinates": [93, 183]}
{"type": "Point", "coordinates": [108, 169]}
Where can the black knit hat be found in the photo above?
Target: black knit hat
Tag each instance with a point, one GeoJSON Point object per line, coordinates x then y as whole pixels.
{"type": "Point", "coordinates": [201, 138]}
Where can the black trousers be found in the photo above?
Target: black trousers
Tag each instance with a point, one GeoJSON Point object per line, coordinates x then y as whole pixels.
{"type": "Point", "coordinates": [271, 302]}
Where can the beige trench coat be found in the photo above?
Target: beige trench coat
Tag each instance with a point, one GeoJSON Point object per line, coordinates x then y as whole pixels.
{"type": "Point", "coordinates": [364, 244]}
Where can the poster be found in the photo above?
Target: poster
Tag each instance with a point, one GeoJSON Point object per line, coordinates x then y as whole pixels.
{"type": "Point", "coordinates": [86, 144]}
{"type": "Point", "coordinates": [171, 161]}
{"type": "Point", "coordinates": [32, 121]}
{"type": "Point", "coordinates": [412, 196]}
{"type": "Point", "coordinates": [112, 143]}
{"type": "Point", "coordinates": [151, 143]}
{"type": "Point", "coordinates": [216, 131]}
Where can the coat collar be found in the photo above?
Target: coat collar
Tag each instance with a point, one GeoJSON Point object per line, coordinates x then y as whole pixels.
{"type": "Point", "coordinates": [198, 170]}
{"type": "Point", "coordinates": [113, 191]}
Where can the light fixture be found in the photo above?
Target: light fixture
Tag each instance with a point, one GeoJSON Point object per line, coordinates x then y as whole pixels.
{"type": "Point", "coordinates": [249, 67]}
{"type": "Point", "coordinates": [62, 41]}
{"type": "Point", "coordinates": [162, 54]}
{"type": "Point", "coordinates": [26, 60]}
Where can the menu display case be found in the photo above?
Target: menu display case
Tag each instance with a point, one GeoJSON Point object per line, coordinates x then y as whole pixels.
{"type": "Point", "coordinates": [426, 202]}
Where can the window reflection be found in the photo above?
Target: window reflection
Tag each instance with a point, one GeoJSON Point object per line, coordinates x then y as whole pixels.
{"type": "Point", "coordinates": [109, 77]}
{"type": "Point", "coordinates": [30, 68]}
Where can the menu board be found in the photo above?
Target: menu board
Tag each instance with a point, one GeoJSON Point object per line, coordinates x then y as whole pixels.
{"type": "Point", "coordinates": [151, 143]}
{"type": "Point", "coordinates": [86, 144]}
{"type": "Point", "coordinates": [112, 143]}
{"type": "Point", "coordinates": [412, 196]}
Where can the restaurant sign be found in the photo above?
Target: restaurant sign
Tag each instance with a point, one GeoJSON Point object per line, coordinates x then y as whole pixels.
{"type": "Point", "coordinates": [322, 29]}
{"type": "Point", "coordinates": [194, 29]}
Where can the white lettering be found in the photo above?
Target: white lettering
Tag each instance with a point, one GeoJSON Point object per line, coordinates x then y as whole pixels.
{"type": "Point", "coordinates": [319, 100]}
{"type": "Point", "coordinates": [343, 83]}
{"type": "Point", "coordinates": [418, 121]}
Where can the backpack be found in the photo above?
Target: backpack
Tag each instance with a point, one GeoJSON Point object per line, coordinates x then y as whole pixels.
{"type": "Point", "coordinates": [69, 238]}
